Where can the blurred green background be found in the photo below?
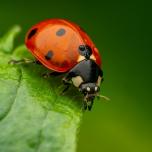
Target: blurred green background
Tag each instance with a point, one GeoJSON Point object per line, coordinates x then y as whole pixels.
{"type": "Point", "coordinates": [121, 31]}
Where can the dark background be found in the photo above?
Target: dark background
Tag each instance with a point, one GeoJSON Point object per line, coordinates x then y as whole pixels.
{"type": "Point", "coordinates": [122, 33]}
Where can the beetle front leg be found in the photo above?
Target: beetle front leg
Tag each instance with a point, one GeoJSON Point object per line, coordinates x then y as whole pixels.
{"type": "Point", "coordinates": [90, 105]}
{"type": "Point", "coordinates": [66, 81]}
{"type": "Point", "coordinates": [85, 105]}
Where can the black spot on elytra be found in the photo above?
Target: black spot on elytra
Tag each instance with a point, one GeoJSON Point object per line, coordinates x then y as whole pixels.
{"type": "Point", "coordinates": [60, 32]}
{"type": "Point", "coordinates": [32, 33]}
{"type": "Point", "coordinates": [49, 55]}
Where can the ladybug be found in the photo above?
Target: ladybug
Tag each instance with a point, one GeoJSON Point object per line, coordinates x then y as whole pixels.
{"type": "Point", "coordinates": [64, 47]}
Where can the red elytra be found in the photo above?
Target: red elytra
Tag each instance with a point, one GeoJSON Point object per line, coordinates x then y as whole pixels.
{"type": "Point", "coordinates": [55, 43]}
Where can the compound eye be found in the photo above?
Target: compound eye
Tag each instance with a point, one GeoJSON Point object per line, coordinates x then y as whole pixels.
{"type": "Point", "coordinates": [88, 89]}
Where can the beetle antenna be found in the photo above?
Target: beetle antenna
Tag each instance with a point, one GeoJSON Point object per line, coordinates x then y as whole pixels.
{"type": "Point", "coordinates": [104, 97]}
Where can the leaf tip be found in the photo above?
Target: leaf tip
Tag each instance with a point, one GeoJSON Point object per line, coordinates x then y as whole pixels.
{"type": "Point", "coordinates": [7, 41]}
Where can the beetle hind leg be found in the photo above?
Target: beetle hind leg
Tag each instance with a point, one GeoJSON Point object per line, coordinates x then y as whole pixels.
{"type": "Point", "coordinates": [23, 61]}
{"type": "Point", "coordinates": [47, 75]}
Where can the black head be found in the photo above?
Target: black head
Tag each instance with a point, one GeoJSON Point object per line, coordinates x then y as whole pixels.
{"type": "Point", "coordinates": [89, 91]}
{"type": "Point", "coordinates": [85, 50]}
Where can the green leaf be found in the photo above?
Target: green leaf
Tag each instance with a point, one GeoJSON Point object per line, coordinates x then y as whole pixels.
{"type": "Point", "coordinates": [33, 115]}
{"type": "Point", "coordinates": [7, 41]}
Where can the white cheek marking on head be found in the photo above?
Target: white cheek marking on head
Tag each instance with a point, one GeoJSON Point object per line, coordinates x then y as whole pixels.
{"type": "Point", "coordinates": [88, 89]}
{"type": "Point", "coordinates": [80, 58]}
{"type": "Point", "coordinates": [93, 57]}
{"type": "Point", "coordinates": [96, 88]}
{"type": "Point", "coordinates": [77, 81]}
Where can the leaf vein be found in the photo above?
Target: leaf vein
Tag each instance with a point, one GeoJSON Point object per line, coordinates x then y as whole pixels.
{"type": "Point", "coordinates": [17, 89]}
{"type": "Point", "coordinates": [40, 133]}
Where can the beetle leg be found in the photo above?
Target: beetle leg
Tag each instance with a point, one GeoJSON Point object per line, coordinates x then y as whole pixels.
{"type": "Point", "coordinates": [90, 106]}
{"type": "Point", "coordinates": [54, 73]}
{"type": "Point", "coordinates": [23, 61]}
{"type": "Point", "coordinates": [85, 105]}
{"type": "Point", "coordinates": [65, 89]}
{"type": "Point", "coordinates": [66, 82]}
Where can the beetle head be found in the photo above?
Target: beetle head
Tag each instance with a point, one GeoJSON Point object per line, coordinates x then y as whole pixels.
{"type": "Point", "coordinates": [89, 91]}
